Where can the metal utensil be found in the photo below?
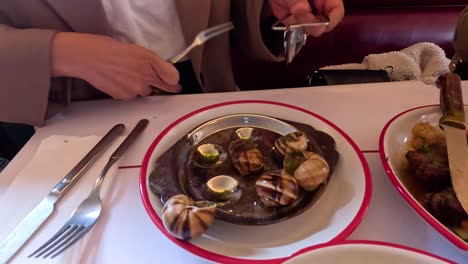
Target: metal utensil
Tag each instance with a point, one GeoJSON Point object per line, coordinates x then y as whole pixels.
{"type": "Point", "coordinates": [277, 25]}
{"type": "Point", "coordinates": [294, 37]}
{"type": "Point", "coordinates": [454, 126]}
{"type": "Point", "coordinates": [202, 37]}
{"type": "Point", "coordinates": [88, 212]}
{"type": "Point", "coordinates": [28, 226]}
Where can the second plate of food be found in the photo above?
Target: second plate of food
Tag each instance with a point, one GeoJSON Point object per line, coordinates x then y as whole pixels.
{"type": "Point", "coordinates": [413, 152]}
{"type": "Point", "coordinates": [254, 181]}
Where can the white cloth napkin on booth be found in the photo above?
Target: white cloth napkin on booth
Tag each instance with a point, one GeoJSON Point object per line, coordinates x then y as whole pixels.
{"type": "Point", "coordinates": [54, 158]}
{"type": "Point", "coordinates": [422, 61]}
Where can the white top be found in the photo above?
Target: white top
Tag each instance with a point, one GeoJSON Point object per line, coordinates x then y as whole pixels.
{"type": "Point", "coordinates": [153, 24]}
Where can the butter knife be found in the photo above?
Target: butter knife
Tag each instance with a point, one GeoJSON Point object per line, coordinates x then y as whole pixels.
{"type": "Point", "coordinates": [454, 126]}
{"type": "Point", "coordinates": [31, 223]}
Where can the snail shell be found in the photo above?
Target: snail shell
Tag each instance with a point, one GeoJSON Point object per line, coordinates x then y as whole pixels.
{"type": "Point", "coordinates": [312, 172]}
{"type": "Point", "coordinates": [185, 219]}
{"type": "Point", "coordinates": [295, 141]}
{"type": "Point", "coordinates": [275, 189]}
{"type": "Point", "coordinates": [246, 158]}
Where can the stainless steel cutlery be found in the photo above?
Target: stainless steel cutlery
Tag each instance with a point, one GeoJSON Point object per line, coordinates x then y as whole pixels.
{"type": "Point", "coordinates": [88, 212]}
{"type": "Point", "coordinates": [31, 223]}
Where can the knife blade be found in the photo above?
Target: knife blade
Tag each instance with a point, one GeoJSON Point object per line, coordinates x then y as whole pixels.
{"type": "Point", "coordinates": [454, 126]}
{"type": "Point", "coordinates": [34, 220]}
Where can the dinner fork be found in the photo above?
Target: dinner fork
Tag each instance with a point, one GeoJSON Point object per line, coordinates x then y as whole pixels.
{"type": "Point", "coordinates": [88, 212]}
{"type": "Point", "coordinates": [201, 38]}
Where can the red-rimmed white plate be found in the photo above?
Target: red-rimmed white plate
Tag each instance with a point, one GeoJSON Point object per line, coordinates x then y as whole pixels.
{"type": "Point", "coordinates": [362, 251]}
{"type": "Point", "coordinates": [333, 218]}
{"type": "Point", "coordinates": [392, 145]}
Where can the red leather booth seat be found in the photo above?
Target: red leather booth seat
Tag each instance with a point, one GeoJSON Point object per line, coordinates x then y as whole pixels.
{"type": "Point", "coordinates": [369, 26]}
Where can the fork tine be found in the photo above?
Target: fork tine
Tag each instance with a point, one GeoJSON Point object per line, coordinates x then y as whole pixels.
{"type": "Point", "coordinates": [217, 32]}
{"type": "Point", "coordinates": [64, 241]}
{"type": "Point", "coordinates": [214, 30]}
{"type": "Point", "coordinates": [76, 238]}
{"type": "Point", "coordinates": [201, 38]}
{"type": "Point", "coordinates": [217, 27]}
{"type": "Point", "coordinates": [66, 234]}
{"type": "Point", "coordinates": [44, 248]}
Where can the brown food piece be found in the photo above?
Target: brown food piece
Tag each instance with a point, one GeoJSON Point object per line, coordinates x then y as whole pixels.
{"type": "Point", "coordinates": [245, 155]}
{"type": "Point", "coordinates": [445, 207]}
{"type": "Point", "coordinates": [462, 230]}
{"type": "Point", "coordinates": [249, 161]}
{"type": "Point", "coordinates": [425, 133]}
{"type": "Point", "coordinates": [430, 169]}
{"type": "Point", "coordinates": [416, 143]}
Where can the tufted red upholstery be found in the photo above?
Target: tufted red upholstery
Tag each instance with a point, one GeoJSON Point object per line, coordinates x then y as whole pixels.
{"type": "Point", "coordinates": [369, 26]}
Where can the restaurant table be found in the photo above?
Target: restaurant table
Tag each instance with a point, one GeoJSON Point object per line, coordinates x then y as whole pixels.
{"type": "Point", "coordinates": [361, 110]}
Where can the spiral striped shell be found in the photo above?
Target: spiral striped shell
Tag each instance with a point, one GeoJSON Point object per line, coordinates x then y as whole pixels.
{"type": "Point", "coordinates": [295, 141]}
{"type": "Point", "coordinates": [185, 219]}
{"type": "Point", "coordinates": [275, 189]}
{"type": "Point", "coordinates": [312, 172]}
{"type": "Point", "coordinates": [246, 158]}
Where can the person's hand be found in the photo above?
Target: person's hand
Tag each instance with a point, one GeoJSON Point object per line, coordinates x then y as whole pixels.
{"type": "Point", "coordinates": [300, 11]}
{"type": "Point", "coordinates": [120, 70]}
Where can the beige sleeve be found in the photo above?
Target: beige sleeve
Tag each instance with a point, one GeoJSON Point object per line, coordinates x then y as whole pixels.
{"type": "Point", "coordinates": [460, 41]}
{"type": "Point", "coordinates": [248, 36]}
{"type": "Point", "coordinates": [25, 82]}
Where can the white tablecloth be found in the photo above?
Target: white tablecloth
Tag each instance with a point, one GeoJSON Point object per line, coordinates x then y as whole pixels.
{"type": "Point", "coordinates": [360, 110]}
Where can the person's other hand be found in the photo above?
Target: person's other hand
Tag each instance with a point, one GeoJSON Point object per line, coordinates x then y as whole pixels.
{"type": "Point", "coordinates": [120, 70]}
{"type": "Point", "coordinates": [300, 11]}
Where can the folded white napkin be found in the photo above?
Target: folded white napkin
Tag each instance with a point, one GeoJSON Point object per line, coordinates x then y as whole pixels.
{"type": "Point", "coordinates": [422, 61]}
{"type": "Point", "coordinates": [54, 158]}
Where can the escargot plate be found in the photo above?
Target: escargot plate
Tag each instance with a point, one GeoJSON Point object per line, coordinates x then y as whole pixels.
{"type": "Point", "coordinates": [241, 146]}
{"type": "Point", "coordinates": [243, 230]}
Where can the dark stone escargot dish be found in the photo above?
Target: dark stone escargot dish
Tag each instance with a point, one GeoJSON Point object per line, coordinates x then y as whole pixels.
{"type": "Point", "coordinates": [258, 170]}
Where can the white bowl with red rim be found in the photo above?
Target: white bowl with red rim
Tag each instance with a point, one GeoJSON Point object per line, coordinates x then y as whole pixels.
{"type": "Point", "coordinates": [362, 251]}
{"type": "Point", "coordinates": [392, 148]}
{"type": "Point", "coordinates": [337, 213]}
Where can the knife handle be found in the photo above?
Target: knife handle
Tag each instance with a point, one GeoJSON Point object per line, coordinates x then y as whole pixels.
{"type": "Point", "coordinates": [139, 127]}
{"type": "Point", "coordinates": [64, 185]}
{"type": "Point", "coordinates": [451, 100]}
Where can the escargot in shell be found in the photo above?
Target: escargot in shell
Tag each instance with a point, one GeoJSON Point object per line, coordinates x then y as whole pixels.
{"type": "Point", "coordinates": [246, 157]}
{"type": "Point", "coordinates": [276, 189]}
{"type": "Point", "coordinates": [311, 172]}
{"type": "Point", "coordinates": [184, 218]}
{"type": "Point", "coordinates": [295, 141]}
